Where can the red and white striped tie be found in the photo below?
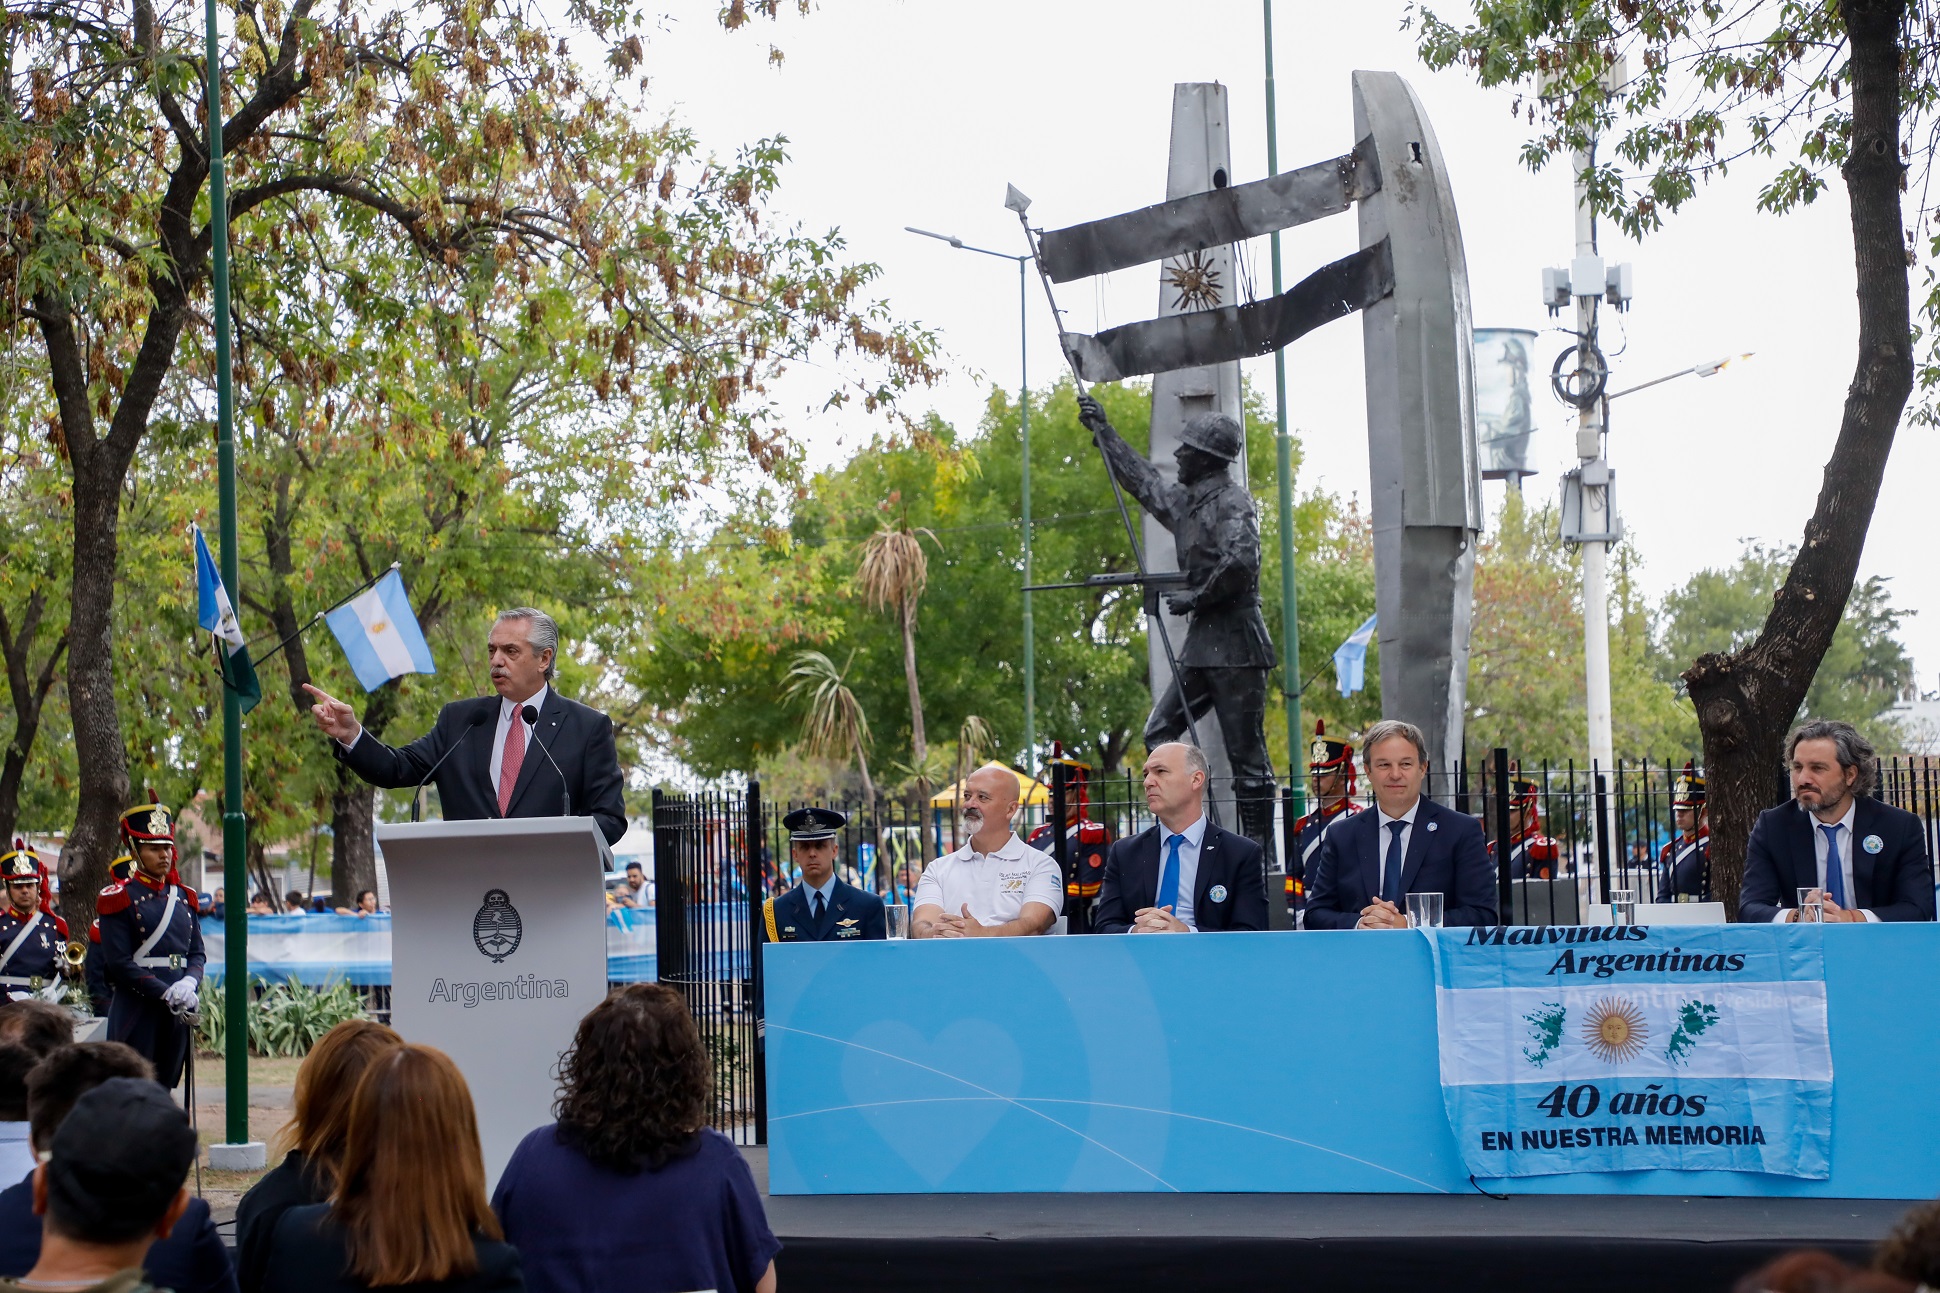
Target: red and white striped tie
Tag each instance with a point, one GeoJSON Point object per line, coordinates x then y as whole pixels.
{"type": "Point", "coordinates": [510, 763]}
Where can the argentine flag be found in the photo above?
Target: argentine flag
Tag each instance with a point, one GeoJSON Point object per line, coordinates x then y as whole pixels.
{"type": "Point", "coordinates": [1350, 658]}
{"type": "Point", "coordinates": [379, 634]}
{"type": "Point", "coordinates": [216, 613]}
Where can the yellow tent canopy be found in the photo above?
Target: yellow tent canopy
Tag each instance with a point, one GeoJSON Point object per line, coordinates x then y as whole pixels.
{"type": "Point", "coordinates": [1029, 791]}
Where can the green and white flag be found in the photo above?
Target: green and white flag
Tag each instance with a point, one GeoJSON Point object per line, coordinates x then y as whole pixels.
{"type": "Point", "coordinates": [215, 612]}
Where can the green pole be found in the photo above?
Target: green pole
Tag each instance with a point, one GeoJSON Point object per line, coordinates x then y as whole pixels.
{"type": "Point", "coordinates": [1289, 599]}
{"type": "Point", "coordinates": [235, 830]}
{"type": "Point", "coordinates": [1024, 420]}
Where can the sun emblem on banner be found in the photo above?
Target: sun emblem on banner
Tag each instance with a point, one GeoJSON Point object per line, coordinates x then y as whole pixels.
{"type": "Point", "coordinates": [1615, 1031]}
{"type": "Point", "coordinates": [1196, 279]}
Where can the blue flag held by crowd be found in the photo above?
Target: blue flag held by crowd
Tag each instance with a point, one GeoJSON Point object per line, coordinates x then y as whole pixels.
{"type": "Point", "coordinates": [380, 635]}
{"type": "Point", "coordinates": [1624, 1048]}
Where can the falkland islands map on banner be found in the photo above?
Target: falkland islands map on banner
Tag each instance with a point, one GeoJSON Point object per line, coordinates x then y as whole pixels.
{"type": "Point", "coordinates": [1614, 1049]}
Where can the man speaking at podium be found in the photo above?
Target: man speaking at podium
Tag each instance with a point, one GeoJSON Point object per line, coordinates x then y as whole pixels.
{"type": "Point", "coordinates": [488, 757]}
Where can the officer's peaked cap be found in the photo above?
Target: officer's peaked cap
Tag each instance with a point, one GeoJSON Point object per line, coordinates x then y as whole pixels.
{"type": "Point", "coordinates": [1213, 433]}
{"type": "Point", "coordinates": [806, 825]}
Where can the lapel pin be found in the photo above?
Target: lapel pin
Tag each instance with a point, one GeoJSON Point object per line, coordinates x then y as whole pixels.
{"type": "Point", "coordinates": [1872, 844]}
{"type": "Point", "coordinates": [1432, 826]}
{"type": "Point", "coordinates": [1217, 893]}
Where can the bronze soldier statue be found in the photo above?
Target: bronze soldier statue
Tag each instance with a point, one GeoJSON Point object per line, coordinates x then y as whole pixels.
{"type": "Point", "coordinates": [1227, 653]}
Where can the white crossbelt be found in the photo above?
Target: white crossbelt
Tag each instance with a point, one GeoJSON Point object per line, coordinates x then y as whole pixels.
{"type": "Point", "coordinates": [142, 957]}
{"type": "Point", "coordinates": [6, 958]}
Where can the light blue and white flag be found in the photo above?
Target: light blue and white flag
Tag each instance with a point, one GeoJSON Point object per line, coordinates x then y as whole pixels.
{"type": "Point", "coordinates": [380, 635]}
{"type": "Point", "coordinates": [1612, 1049]}
{"type": "Point", "coordinates": [1350, 658]}
{"type": "Point", "coordinates": [216, 613]}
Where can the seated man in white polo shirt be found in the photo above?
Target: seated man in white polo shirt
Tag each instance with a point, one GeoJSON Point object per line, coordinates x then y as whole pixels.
{"type": "Point", "coordinates": [996, 885]}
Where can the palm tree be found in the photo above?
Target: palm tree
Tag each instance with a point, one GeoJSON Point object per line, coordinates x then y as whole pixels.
{"type": "Point", "coordinates": [835, 725]}
{"type": "Point", "coordinates": [893, 573]}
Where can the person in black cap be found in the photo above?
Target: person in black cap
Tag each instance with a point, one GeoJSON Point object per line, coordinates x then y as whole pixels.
{"type": "Point", "coordinates": [111, 1185]}
{"type": "Point", "coordinates": [1685, 862]}
{"type": "Point", "coordinates": [33, 941]}
{"type": "Point", "coordinates": [151, 944]}
{"type": "Point", "coordinates": [1331, 764]}
{"type": "Point", "coordinates": [821, 907]}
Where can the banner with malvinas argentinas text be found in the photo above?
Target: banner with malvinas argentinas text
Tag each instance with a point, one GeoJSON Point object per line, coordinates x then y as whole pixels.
{"type": "Point", "coordinates": [1616, 1049]}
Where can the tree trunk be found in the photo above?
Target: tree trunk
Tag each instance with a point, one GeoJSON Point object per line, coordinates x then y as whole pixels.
{"type": "Point", "coordinates": [1746, 699]}
{"type": "Point", "coordinates": [353, 855]}
{"type": "Point", "coordinates": [918, 743]}
{"type": "Point", "coordinates": [28, 689]}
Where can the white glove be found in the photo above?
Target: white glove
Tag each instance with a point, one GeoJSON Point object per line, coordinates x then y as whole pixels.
{"type": "Point", "coordinates": [55, 991]}
{"type": "Point", "coordinates": [182, 997]}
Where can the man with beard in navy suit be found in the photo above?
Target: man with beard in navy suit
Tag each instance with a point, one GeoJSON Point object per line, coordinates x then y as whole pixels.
{"type": "Point", "coordinates": [1370, 862]}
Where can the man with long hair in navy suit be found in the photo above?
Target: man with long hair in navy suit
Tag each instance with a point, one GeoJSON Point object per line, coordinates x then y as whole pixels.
{"type": "Point", "coordinates": [1867, 860]}
{"type": "Point", "coordinates": [1370, 862]}
{"type": "Point", "coordinates": [1182, 874]}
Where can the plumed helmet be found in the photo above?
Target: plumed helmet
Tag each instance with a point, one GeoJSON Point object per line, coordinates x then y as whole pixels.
{"type": "Point", "coordinates": [20, 863]}
{"type": "Point", "coordinates": [1326, 752]}
{"type": "Point", "coordinates": [1688, 790]}
{"type": "Point", "coordinates": [148, 824]}
{"type": "Point", "coordinates": [1213, 433]}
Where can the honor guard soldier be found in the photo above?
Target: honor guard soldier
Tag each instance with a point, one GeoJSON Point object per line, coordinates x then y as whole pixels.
{"type": "Point", "coordinates": [1684, 864]}
{"type": "Point", "coordinates": [822, 908]}
{"type": "Point", "coordinates": [1532, 854]}
{"type": "Point", "coordinates": [100, 991]}
{"type": "Point", "coordinates": [1086, 843]}
{"type": "Point", "coordinates": [33, 941]}
{"type": "Point", "coordinates": [151, 944]}
{"type": "Point", "coordinates": [1331, 764]}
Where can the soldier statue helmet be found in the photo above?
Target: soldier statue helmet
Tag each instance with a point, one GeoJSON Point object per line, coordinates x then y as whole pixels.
{"type": "Point", "coordinates": [1213, 433]}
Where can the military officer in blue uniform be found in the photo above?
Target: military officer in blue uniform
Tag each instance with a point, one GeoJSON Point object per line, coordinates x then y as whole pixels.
{"type": "Point", "coordinates": [1331, 764]}
{"type": "Point", "coordinates": [33, 940]}
{"type": "Point", "coordinates": [821, 908]}
{"type": "Point", "coordinates": [151, 944]}
{"type": "Point", "coordinates": [1684, 873]}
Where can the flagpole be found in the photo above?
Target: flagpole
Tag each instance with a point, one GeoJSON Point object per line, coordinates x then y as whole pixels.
{"type": "Point", "coordinates": [1289, 594]}
{"type": "Point", "coordinates": [235, 828]}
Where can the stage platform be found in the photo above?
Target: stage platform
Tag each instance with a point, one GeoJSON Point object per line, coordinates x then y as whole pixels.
{"type": "Point", "coordinates": [1358, 1243]}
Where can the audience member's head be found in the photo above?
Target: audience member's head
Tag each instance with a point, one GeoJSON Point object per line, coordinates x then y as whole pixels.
{"type": "Point", "coordinates": [114, 1169]}
{"type": "Point", "coordinates": [1811, 1271]}
{"type": "Point", "coordinates": [293, 901]}
{"type": "Point", "coordinates": [320, 1116]}
{"type": "Point", "coordinates": [1912, 1251]}
{"type": "Point", "coordinates": [410, 1191]}
{"type": "Point", "coordinates": [61, 1079]}
{"type": "Point", "coordinates": [634, 1087]}
{"type": "Point", "coordinates": [259, 905]}
{"type": "Point", "coordinates": [38, 1025]}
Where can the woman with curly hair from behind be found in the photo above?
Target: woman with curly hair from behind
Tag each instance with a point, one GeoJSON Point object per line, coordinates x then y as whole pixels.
{"type": "Point", "coordinates": [630, 1189]}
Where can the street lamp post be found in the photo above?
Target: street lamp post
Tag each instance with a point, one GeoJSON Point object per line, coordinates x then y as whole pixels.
{"type": "Point", "coordinates": [1024, 423]}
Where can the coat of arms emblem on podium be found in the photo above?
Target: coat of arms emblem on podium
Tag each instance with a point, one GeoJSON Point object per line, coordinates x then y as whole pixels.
{"type": "Point", "coordinates": [496, 929]}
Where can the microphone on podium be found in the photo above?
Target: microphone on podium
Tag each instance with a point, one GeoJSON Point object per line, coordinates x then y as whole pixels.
{"type": "Point", "coordinates": [417, 791]}
{"type": "Point", "coordinates": [531, 715]}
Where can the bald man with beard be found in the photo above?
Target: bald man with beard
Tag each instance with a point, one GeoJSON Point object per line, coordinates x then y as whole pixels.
{"type": "Point", "coordinates": [995, 886]}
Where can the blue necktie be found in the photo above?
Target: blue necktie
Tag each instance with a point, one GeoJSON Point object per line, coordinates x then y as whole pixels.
{"type": "Point", "coordinates": [820, 906]}
{"type": "Point", "coordinates": [1835, 879]}
{"type": "Point", "coordinates": [1169, 879]}
{"type": "Point", "coordinates": [1397, 858]}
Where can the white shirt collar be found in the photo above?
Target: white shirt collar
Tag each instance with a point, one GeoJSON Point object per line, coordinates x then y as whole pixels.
{"type": "Point", "coordinates": [1408, 817]}
{"type": "Point", "coordinates": [1011, 849]}
{"type": "Point", "coordinates": [1194, 833]}
{"type": "Point", "coordinates": [507, 708]}
{"type": "Point", "coordinates": [1852, 811]}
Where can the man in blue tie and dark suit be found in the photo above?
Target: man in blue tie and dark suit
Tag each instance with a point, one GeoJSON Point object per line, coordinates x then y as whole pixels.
{"type": "Point", "coordinates": [1867, 859]}
{"type": "Point", "coordinates": [1370, 862]}
{"type": "Point", "coordinates": [1182, 874]}
{"type": "Point", "coordinates": [822, 908]}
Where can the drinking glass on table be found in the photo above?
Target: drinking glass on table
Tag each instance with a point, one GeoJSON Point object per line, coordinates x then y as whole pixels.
{"type": "Point", "coordinates": [1812, 906]}
{"type": "Point", "coordinates": [896, 920]}
{"type": "Point", "coordinates": [1425, 910]}
{"type": "Point", "coordinates": [1623, 906]}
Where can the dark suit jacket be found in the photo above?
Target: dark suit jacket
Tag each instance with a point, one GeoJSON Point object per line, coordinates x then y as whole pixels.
{"type": "Point", "coordinates": [795, 923]}
{"type": "Point", "coordinates": [1132, 882]}
{"type": "Point", "coordinates": [308, 1256]}
{"type": "Point", "coordinates": [580, 738]}
{"type": "Point", "coordinates": [1446, 853]}
{"type": "Point", "coordinates": [1780, 859]}
{"type": "Point", "coordinates": [191, 1260]}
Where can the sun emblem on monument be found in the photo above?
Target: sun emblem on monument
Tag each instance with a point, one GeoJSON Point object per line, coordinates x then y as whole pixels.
{"type": "Point", "coordinates": [1196, 279]}
{"type": "Point", "coordinates": [1615, 1031]}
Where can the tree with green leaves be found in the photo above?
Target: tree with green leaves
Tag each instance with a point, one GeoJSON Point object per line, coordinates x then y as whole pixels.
{"type": "Point", "coordinates": [381, 154]}
{"type": "Point", "coordinates": [1813, 89]}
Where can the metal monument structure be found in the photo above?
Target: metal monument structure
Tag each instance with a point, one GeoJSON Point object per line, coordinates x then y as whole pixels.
{"type": "Point", "coordinates": [1409, 281]}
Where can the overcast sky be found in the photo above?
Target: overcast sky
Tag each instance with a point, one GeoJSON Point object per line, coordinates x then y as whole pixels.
{"type": "Point", "coordinates": [906, 113]}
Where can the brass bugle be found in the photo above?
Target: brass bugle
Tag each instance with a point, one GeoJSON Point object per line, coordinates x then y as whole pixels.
{"type": "Point", "coordinates": [76, 953]}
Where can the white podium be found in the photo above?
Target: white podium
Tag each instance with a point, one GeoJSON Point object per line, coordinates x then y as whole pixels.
{"type": "Point", "coordinates": [498, 949]}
